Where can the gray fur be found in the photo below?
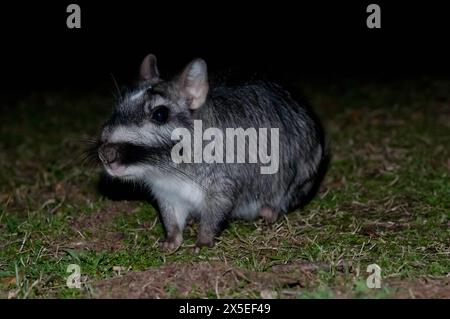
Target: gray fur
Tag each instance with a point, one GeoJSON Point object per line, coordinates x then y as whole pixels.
{"type": "Point", "coordinates": [213, 193]}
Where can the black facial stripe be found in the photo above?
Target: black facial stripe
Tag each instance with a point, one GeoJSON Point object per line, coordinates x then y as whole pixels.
{"type": "Point", "coordinates": [129, 153]}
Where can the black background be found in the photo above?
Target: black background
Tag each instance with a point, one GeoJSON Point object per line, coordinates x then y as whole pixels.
{"type": "Point", "coordinates": [327, 308]}
{"type": "Point", "coordinates": [287, 39]}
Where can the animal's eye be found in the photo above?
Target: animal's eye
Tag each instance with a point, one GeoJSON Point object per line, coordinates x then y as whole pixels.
{"type": "Point", "coordinates": [160, 114]}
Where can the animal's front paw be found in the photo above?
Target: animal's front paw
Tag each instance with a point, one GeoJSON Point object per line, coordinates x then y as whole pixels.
{"type": "Point", "coordinates": [205, 239]}
{"type": "Point", "coordinates": [201, 244]}
{"type": "Point", "coordinates": [269, 215]}
{"type": "Point", "coordinates": [171, 244]}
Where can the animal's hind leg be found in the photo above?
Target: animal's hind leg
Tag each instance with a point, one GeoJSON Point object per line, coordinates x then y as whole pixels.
{"type": "Point", "coordinates": [210, 226]}
{"type": "Point", "coordinates": [212, 219]}
{"type": "Point", "coordinates": [269, 215]}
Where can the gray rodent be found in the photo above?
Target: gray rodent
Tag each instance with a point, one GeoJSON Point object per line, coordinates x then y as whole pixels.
{"type": "Point", "coordinates": [136, 144]}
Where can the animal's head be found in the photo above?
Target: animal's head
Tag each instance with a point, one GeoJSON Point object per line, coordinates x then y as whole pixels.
{"type": "Point", "coordinates": [137, 137]}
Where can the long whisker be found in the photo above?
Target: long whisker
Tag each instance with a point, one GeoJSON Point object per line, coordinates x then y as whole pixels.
{"type": "Point", "coordinates": [89, 156]}
{"type": "Point", "coordinates": [153, 156]}
{"type": "Point", "coordinates": [116, 85]}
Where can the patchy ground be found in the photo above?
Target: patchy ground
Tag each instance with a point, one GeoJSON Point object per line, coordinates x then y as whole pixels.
{"type": "Point", "coordinates": [385, 200]}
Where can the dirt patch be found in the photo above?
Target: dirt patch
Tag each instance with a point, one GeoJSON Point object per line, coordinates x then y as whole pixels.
{"type": "Point", "coordinates": [105, 216]}
{"type": "Point", "coordinates": [95, 231]}
{"type": "Point", "coordinates": [310, 267]}
{"type": "Point", "coordinates": [48, 199]}
{"type": "Point", "coordinates": [202, 279]}
{"type": "Point", "coordinates": [424, 288]}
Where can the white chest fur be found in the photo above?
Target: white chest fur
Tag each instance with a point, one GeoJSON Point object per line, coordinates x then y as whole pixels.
{"type": "Point", "coordinates": [177, 192]}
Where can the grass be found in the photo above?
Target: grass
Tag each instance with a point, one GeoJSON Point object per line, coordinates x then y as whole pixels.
{"type": "Point", "coordinates": [385, 200]}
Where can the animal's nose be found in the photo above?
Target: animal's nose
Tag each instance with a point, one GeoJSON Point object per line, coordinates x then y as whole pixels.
{"type": "Point", "coordinates": [108, 153]}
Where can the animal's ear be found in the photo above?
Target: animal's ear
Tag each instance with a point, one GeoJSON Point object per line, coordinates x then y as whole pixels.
{"type": "Point", "coordinates": [193, 83]}
{"type": "Point", "coordinates": [149, 70]}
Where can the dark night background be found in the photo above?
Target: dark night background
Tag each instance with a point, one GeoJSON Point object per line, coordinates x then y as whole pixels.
{"type": "Point", "coordinates": [382, 95]}
{"type": "Point", "coordinates": [284, 40]}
